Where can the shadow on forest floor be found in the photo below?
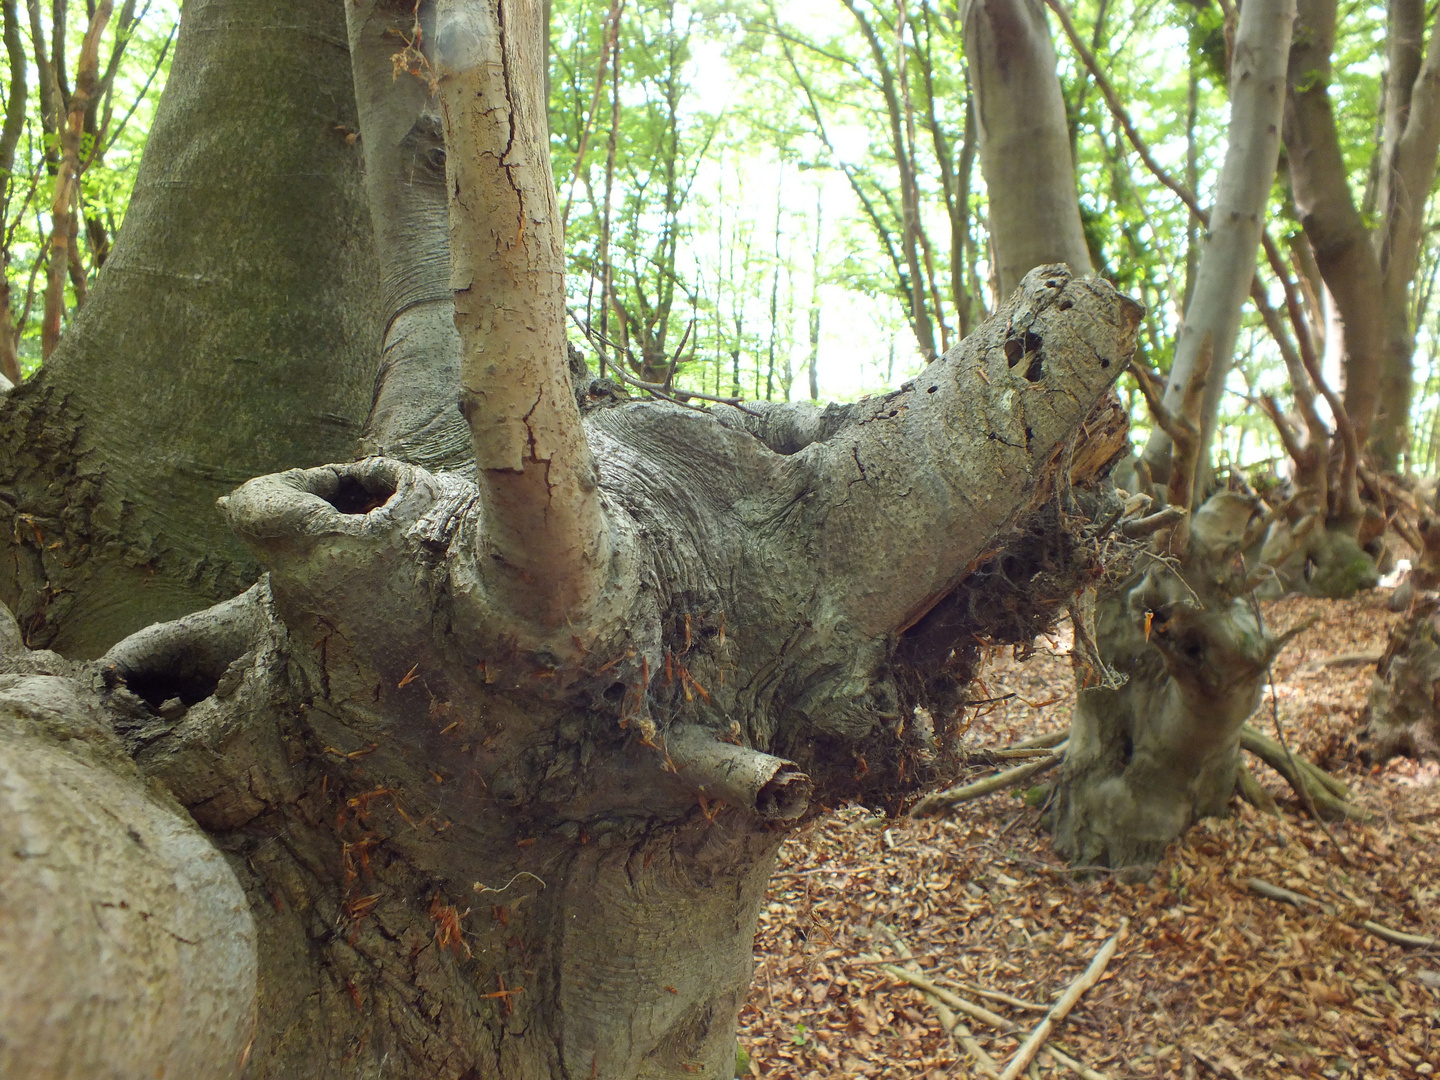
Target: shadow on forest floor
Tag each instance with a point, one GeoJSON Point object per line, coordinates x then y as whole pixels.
{"type": "Point", "coordinates": [1210, 979]}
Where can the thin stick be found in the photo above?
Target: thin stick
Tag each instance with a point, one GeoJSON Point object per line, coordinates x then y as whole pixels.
{"type": "Point", "coordinates": [958, 1032]}
{"type": "Point", "coordinates": [1077, 1067]}
{"type": "Point", "coordinates": [1067, 1001]}
{"type": "Point", "coordinates": [943, 800]}
{"type": "Point", "coordinates": [955, 1001]}
{"type": "Point", "coordinates": [1380, 930]}
{"type": "Point", "coordinates": [1050, 739]}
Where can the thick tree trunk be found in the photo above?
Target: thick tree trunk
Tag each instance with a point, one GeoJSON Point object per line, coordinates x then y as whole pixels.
{"type": "Point", "coordinates": [237, 301]}
{"type": "Point", "coordinates": [1155, 736]}
{"type": "Point", "coordinates": [1024, 139]}
{"type": "Point", "coordinates": [1212, 321]}
{"type": "Point", "coordinates": [1402, 715]}
{"type": "Point", "coordinates": [465, 857]}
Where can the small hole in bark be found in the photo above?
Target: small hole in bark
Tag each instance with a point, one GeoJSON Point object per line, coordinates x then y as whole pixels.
{"type": "Point", "coordinates": [1014, 350]}
{"type": "Point", "coordinates": [1066, 305]}
{"type": "Point", "coordinates": [356, 496]}
{"type": "Point", "coordinates": [616, 692]}
{"type": "Point", "coordinates": [1053, 283]}
{"type": "Point", "coordinates": [1036, 371]}
{"type": "Point", "coordinates": [1104, 361]}
{"type": "Point", "coordinates": [932, 389]}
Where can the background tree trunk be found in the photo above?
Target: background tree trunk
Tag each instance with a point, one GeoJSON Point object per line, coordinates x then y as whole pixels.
{"type": "Point", "coordinates": [243, 307]}
{"type": "Point", "coordinates": [1227, 267]}
{"type": "Point", "coordinates": [415, 415]}
{"type": "Point", "coordinates": [1407, 172]}
{"type": "Point", "coordinates": [1024, 138]}
{"type": "Point", "coordinates": [1342, 245]}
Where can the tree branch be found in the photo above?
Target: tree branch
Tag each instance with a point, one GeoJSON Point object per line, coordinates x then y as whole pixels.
{"type": "Point", "coordinates": [546, 529]}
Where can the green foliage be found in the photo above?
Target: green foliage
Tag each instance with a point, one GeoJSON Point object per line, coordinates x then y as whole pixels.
{"type": "Point", "coordinates": [115, 130]}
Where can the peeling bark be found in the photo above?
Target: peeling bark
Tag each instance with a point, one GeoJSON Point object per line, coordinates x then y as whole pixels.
{"type": "Point", "coordinates": [547, 535]}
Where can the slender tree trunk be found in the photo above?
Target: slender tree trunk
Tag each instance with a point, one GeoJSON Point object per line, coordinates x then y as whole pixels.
{"type": "Point", "coordinates": [414, 414]}
{"type": "Point", "coordinates": [1407, 171]}
{"type": "Point", "coordinates": [1319, 180]}
{"type": "Point", "coordinates": [920, 320]}
{"type": "Point", "coordinates": [1227, 268]}
{"type": "Point", "coordinates": [1024, 140]}
{"type": "Point", "coordinates": [192, 346]}
{"type": "Point", "coordinates": [13, 128]}
{"type": "Point", "coordinates": [813, 364]}
{"type": "Point", "coordinates": [67, 185]}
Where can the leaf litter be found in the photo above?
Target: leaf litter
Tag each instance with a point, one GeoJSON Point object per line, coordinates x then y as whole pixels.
{"type": "Point", "coordinates": [1209, 979]}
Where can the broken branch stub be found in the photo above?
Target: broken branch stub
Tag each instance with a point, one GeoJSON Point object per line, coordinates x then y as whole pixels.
{"type": "Point", "coordinates": [769, 787]}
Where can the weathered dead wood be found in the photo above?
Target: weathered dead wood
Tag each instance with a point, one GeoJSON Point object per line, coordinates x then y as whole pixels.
{"type": "Point", "coordinates": [1088, 978]}
{"type": "Point", "coordinates": [943, 800]}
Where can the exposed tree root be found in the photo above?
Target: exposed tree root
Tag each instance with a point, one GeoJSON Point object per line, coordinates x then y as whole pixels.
{"type": "Point", "coordinates": [1329, 795]}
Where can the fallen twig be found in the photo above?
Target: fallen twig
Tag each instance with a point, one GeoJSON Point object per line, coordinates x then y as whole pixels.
{"type": "Point", "coordinates": [1052, 738]}
{"type": "Point", "coordinates": [943, 800]}
{"type": "Point", "coordinates": [1088, 978]}
{"type": "Point", "coordinates": [1008, 999]}
{"type": "Point", "coordinates": [1077, 1067]}
{"type": "Point", "coordinates": [954, 1027]}
{"type": "Point", "coordinates": [955, 1001]}
{"type": "Point", "coordinates": [1380, 930]}
{"type": "Point", "coordinates": [1348, 659]}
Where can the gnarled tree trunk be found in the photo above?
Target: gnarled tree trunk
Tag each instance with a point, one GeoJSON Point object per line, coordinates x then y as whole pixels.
{"type": "Point", "coordinates": [470, 849]}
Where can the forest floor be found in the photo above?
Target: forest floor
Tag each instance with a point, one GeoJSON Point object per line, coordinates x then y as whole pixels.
{"type": "Point", "coordinates": [1209, 979]}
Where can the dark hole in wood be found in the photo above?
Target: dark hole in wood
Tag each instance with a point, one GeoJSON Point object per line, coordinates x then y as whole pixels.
{"type": "Point", "coordinates": [356, 496]}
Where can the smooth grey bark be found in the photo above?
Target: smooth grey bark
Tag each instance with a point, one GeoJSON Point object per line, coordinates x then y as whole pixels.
{"type": "Point", "coordinates": [1024, 139]}
{"type": "Point", "coordinates": [1407, 173]}
{"type": "Point", "coordinates": [230, 333]}
{"type": "Point", "coordinates": [1227, 267]}
{"type": "Point", "coordinates": [415, 415]}
{"type": "Point", "coordinates": [466, 857]}
{"type": "Point", "coordinates": [1342, 245]}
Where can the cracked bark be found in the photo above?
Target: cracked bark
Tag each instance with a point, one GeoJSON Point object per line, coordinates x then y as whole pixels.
{"type": "Point", "coordinates": [380, 755]}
